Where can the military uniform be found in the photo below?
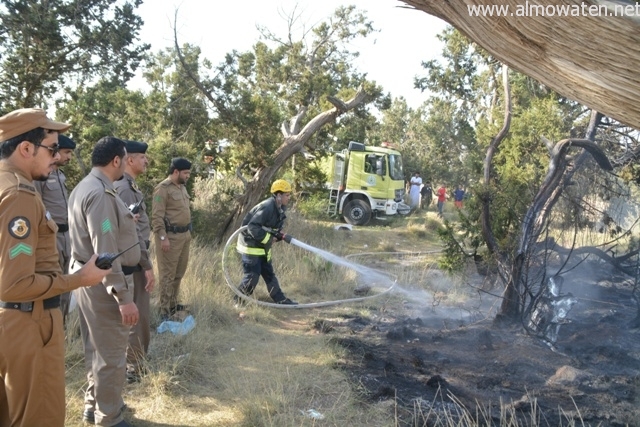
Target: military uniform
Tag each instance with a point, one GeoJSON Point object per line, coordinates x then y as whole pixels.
{"type": "Point", "coordinates": [31, 332]}
{"type": "Point", "coordinates": [171, 219]}
{"type": "Point", "coordinates": [140, 334]}
{"type": "Point", "coordinates": [56, 199]}
{"type": "Point", "coordinates": [100, 222]}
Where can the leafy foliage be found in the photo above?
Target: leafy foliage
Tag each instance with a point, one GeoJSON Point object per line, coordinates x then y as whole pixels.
{"type": "Point", "coordinates": [44, 44]}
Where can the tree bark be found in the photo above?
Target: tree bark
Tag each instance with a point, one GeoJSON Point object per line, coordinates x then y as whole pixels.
{"type": "Point", "coordinates": [487, 233]}
{"type": "Point", "coordinates": [588, 58]}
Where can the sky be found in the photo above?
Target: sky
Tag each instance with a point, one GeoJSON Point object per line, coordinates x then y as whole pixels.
{"type": "Point", "coordinates": [391, 57]}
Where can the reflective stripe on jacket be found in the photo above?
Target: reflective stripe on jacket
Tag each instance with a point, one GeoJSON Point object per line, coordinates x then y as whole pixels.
{"type": "Point", "coordinates": [255, 240]}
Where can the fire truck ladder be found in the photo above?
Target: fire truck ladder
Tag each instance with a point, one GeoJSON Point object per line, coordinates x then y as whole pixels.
{"type": "Point", "coordinates": [336, 183]}
{"type": "Point", "coordinates": [332, 208]}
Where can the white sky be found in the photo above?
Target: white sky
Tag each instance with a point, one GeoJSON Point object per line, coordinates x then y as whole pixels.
{"type": "Point", "coordinates": [391, 56]}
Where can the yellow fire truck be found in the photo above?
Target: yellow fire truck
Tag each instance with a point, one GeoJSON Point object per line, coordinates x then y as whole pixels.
{"type": "Point", "coordinates": [366, 181]}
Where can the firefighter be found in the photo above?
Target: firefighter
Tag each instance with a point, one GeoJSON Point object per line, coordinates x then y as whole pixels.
{"type": "Point", "coordinates": [255, 242]}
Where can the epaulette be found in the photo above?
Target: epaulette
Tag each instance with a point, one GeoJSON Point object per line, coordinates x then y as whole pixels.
{"type": "Point", "coordinates": [113, 192]}
{"type": "Point", "coordinates": [26, 187]}
{"type": "Point", "coordinates": [134, 186]}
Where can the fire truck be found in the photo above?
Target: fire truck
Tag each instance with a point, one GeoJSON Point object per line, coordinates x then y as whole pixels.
{"type": "Point", "coordinates": [366, 181]}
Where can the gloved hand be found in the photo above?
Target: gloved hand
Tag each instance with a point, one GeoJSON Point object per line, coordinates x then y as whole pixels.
{"type": "Point", "coordinates": [279, 235]}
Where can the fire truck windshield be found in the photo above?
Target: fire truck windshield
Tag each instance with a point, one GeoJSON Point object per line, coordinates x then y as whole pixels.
{"type": "Point", "coordinates": [395, 167]}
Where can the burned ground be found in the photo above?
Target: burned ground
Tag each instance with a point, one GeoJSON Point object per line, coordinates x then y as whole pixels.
{"type": "Point", "coordinates": [429, 363]}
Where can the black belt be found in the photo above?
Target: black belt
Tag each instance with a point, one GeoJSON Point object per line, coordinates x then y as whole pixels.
{"type": "Point", "coordinates": [176, 229]}
{"type": "Point", "coordinates": [49, 303]}
{"type": "Point", "coordinates": [130, 269]}
{"type": "Point", "coordinates": [62, 228]}
{"type": "Point", "coordinates": [147, 243]}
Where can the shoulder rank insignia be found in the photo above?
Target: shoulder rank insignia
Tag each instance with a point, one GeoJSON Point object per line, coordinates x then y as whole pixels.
{"type": "Point", "coordinates": [19, 227]}
{"type": "Point", "coordinates": [113, 192]}
{"type": "Point", "coordinates": [27, 187]}
{"type": "Point", "coordinates": [134, 186]}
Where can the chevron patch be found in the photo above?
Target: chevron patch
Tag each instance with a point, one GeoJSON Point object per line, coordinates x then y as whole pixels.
{"type": "Point", "coordinates": [106, 226]}
{"type": "Point", "coordinates": [20, 248]}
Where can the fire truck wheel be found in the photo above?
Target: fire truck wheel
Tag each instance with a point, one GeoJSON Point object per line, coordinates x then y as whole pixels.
{"type": "Point", "coordinates": [357, 212]}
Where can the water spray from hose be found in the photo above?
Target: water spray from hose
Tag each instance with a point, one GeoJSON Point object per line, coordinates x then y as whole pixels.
{"type": "Point", "coordinates": [376, 276]}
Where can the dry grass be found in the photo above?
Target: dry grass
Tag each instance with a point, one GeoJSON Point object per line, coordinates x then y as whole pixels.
{"type": "Point", "coordinates": [266, 367]}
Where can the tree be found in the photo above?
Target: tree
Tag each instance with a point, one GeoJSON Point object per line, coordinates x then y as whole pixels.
{"type": "Point", "coordinates": [270, 102]}
{"type": "Point", "coordinates": [515, 201]}
{"type": "Point", "coordinates": [45, 44]}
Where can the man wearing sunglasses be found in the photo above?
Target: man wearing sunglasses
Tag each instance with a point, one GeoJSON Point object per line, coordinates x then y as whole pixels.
{"type": "Point", "coordinates": [32, 385]}
{"type": "Point", "coordinates": [56, 200]}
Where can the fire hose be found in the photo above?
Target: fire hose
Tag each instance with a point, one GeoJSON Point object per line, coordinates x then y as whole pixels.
{"type": "Point", "coordinates": [348, 264]}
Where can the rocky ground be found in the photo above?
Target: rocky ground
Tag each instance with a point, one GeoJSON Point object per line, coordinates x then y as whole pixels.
{"type": "Point", "coordinates": [431, 361]}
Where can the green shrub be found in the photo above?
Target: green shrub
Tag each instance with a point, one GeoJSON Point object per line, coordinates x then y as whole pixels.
{"type": "Point", "coordinates": [212, 204]}
{"type": "Point", "coordinates": [313, 205]}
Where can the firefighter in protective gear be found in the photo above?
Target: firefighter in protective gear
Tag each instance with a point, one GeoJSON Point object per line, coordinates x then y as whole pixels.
{"type": "Point", "coordinates": [264, 226]}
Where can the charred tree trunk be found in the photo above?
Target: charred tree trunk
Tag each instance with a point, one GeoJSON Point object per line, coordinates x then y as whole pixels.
{"type": "Point", "coordinates": [538, 214]}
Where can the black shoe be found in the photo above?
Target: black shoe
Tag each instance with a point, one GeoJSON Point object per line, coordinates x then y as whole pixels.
{"type": "Point", "coordinates": [287, 301]}
{"type": "Point", "coordinates": [133, 377]}
{"type": "Point", "coordinates": [181, 307]}
{"type": "Point", "coordinates": [178, 307]}
{"type": "Point", "coordinates": [89, 417]}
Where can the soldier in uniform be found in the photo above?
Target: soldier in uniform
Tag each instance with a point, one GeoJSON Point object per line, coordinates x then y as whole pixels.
{"type": "Point", "coordinates": [142, 276]}
{"type": "Point", "coordinates": [99, 221]}
{"type": "Point", "coordinates": [32, 386]}
{"type": "Point", "coordinates": [171, 225]}
{"type": "Point", "coordinates": [56, 199]}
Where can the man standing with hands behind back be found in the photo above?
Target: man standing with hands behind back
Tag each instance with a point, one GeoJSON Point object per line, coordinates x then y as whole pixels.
{"type": "Point", "coordinates": [171, 225]}
{"type": "Point", "coordinates": [31, 334]}
{"type": "Point", "coordinates": [142, 277]}
{"type": "Point", "coordinates": [100, 222]}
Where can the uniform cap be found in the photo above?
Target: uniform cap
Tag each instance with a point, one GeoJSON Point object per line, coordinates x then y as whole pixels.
{"type": "Point", "coordinates": [180, 163]}
{"type": "Point", "coordinates": [66, 142]}
{"type": "Point", "coordinates": [25, 119]}
{"type": "Point", "coordinates": [280, 185]}
{"type": "Point", "coordinates": [136, 147]}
